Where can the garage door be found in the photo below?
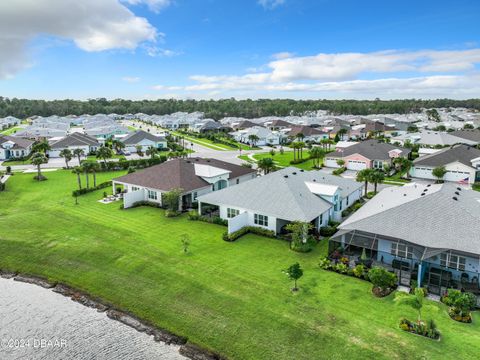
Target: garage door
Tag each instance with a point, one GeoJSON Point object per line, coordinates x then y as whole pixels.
{"type": "Point", "coordinates": [356, 165]}
{"type": "Point", "coordinates": [456, 175]}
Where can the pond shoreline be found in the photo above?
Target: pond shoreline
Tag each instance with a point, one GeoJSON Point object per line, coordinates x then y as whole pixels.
{"type": "Point", "coordinates": [186, 348]}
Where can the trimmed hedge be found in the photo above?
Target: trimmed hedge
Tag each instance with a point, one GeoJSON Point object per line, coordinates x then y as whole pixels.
{"type": "Point", "coordinates": [248, 229]}
{"type": "Point", "coordinates": [339, 171]}
{"type": "Point", "coordinates": [136, 164]}
{"type": "Point", "coordinates": [89, 190]}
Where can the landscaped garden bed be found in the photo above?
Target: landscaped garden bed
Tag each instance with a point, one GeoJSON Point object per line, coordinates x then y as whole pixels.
{"type": "Point", "coordinates": [460, 304]}
{"type": "Point", "coordinates": [421, 328]}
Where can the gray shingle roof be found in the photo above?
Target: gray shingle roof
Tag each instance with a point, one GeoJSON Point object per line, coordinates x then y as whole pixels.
{"type": "Point", "coordinates": [75, 139]}
{"type": "Point", "coordinates": [433, 220]}
{"type": "Point", "coordinates": [461, 153]}
{"type": "Point", "coordinates": [20, 143]}
{"type": "Point", "coordinates": [287, 198]}
{"type": "Point", "coordinates": [140, 135]}
{"type": "Point", "coordinates": [472, 135]}
{"type": "Point", "coordinates": [371, 149]}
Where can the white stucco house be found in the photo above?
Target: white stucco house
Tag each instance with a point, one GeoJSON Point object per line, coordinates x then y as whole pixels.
{"type": "Point", "coordinates": [462, 163]}
{"type": "Point", "coordinates": [274, 200]}
{"type": "Point", "coordinates": [75, 140]}
{"type": "Point", "coordinates": [194, 176]}
{"type": "Point", "coordinates": [12, 147]}
{"type": "Point", "coordinates": [265, 136]}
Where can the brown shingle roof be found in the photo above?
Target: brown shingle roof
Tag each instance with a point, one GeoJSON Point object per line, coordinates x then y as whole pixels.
{"type": "Point", "coordinates": [179, 173]}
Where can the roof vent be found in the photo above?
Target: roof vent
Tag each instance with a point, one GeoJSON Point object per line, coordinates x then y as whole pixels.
{"type": "Point", "coordinates": [459, 189]}
{"type": "Point", "coordinates": [404, 194]}
{"type": "Point", "coordinates": [457, 193]}
{"type": "Point", "coordinates": [314, 180]}
{"type": "Point", "coordinates": [301, 170]}
{"type": "Point", "coordinates": [422, 194]}
{"type": "Point", "coordinates": [294, 173]}
{"type": "Point", "coordinates": [285, 176]}
{"type": "Point", "coordinates": [455, 198]}
{"type": "Point", "coordinates": [429, 185]}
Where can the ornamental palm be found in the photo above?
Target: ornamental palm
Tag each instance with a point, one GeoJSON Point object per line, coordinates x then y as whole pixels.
{"type": "Point", "coordinates": [151, 151]}
{"type": "Point", "coordinates": [79, 153]}
{"type": "Point", "coordinates": [104, 153]}
{"type": "Point", "coordinates": [364, 175]}
{"type": "Point", "coordinates": [67, 155]}
{"type": "Point", "coordinates": [38, 159]}
{"type": "Point", "coordinates": [77, 170]}
{"type": "Point", "coordinates": [375, 177]}
{"type": "Point", "coordinates": [415, 301]}
{"type": "Point", "coordinates": [316, 153]}
{"type": "Point", "coordinates": [266, 165]}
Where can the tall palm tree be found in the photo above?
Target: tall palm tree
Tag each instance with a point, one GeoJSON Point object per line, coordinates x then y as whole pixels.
{"type": "Point", "coordinates": [118, 145]}
{"type": "Point", "coordinates": [67, 155]}
{"type": "Point", "coordinates": [342, 132]}
{"type": "Point", "coordinates": [38, 159]}
{"type": "Point", "coordinates": [364, 176]}
{"type": "Point", "coordinates": [93, 169]}
{"type": "Point", "coordinates": [301, 145]}
{"type": "Point", "coordinates": [77, 170]}
{"type": "Point", "coordinates": [253, 139]}
{"type": "Point", "coordinates": [316, 153]}
{"type": "Point", "coordinates": [266, 165]}
{"type": "Point", "coordinates": [104, 153]}
{"type": "Point", "coordinates": [79, 153]}
{"type": "Point", "coordinates": [375, 177]}
{"type": "Point", "coordinates": [87, 168]}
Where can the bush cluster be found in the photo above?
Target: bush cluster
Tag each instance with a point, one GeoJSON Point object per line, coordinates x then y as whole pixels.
{"type": "Point", "coordinates": [135, 164]}
{"type": "Point", "coordinates": [195, 216]}
{"type": "Point", "coordinates": [91, 189]}
{"type": "Point", "coordinates": [428, 330]}
{"type": "Point", "coordinates": [339, 170]}
{"type": "Point", "coordinates": [248, 229]}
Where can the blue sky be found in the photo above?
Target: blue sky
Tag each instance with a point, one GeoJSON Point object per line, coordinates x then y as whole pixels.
{"type": "Point", "coordinates": [247, 48]}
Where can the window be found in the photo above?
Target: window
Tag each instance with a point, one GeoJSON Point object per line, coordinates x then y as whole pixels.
{"type": "Point", "coordinates": [452, 261]}
{"type": "Point", "coordinates": [347, 199]}
{"type": "Point", "coordinates": [232, 212]}
{"type": "Point", "coordinates": [152, 195]}
{"type": "Point", "coordinates": [195, 196]}
{"type": "Point", "coordinates": [261, 220]}
{"type": "Point", "coordinates": [134, 188]}
{"type": "Point", "coordinates": [321, 219]}
{"type": "Point", "coordinates": [238, 181]}
{"type": "Point", "coordinates": [402, 250]}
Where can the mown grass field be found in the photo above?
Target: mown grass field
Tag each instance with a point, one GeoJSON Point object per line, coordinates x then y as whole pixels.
{"type": "Point", "coordinates": [283, 160]}
{"type": "Point", "coordinates": [229, 297]}
{"type": "Point", "coordinates": [11, 130]}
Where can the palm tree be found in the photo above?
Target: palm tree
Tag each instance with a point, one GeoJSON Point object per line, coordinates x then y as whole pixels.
{"type": "Point", "coordinates": [93, 169]}
{"type": "Point", "coordinates": [301, 145]}
{"type": "Point", "coordinates": [104, 153]}
{"type": "Point", "coordinates": [316, 153]}
{"type": "Point", "coordinates": [296, 149]}
{"type": "Point", "coordinates": [78, 153]}
{"type": "Point", "coordinates": [118, 145]}
{"type": "Point", "coordinates": [151, 151]}
{"type": "Point", "coordinates": [87, 168]}
{"type": "Point", "coordinates": [342, 132]}
{"type": "Point", "coordinates": [139, 150]}
{"type": "Point", "coordinates": [38, 159]}
{"type": "Point", "coordinates": [375, 177]}
{"type": "Point", "coordinates": [403, 164]}
{"type": "Point", "coordinates": [41, 147]}
{"type": "Point", "coordinates": [78, 170]}
{"type": "Point", "coordinates": [67, 154]}
{"type": "Point", "coordinates": [253, 139]}
{"type": "Point", "coordinates": [364, 175]}
{"type": "Point", "coordinates": [415, 301]}
{"type": "Point", "coordinates": [266, 165]}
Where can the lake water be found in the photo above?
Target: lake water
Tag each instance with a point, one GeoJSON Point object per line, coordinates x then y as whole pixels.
{"type": "Point", "coordinates": [36, 323]}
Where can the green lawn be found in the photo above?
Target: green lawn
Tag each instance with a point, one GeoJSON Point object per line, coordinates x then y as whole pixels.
{"type": "Point", "coordinates": [476, 186]}
{"type": "Point", "coordinates": [11, 130]}
{"type": "Point", "coordinates": [283, 160]}
{"type": "Point", "coordinates": [17, 162]}
{"type": "Point", "coordinates": [231, 297]}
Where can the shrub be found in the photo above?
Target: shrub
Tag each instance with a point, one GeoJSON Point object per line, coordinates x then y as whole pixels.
{"type": "Point", "coordinates": [325, 264]}
{"type": "Point", "coordinates": [382, 278]}
{"type": "Point", "coordinates": [84, 191]}
{"type": "Point", "coordinates": [371, 194]}
{"type": "Point", "coordinates": [339, 171]}
{"type": "Point", "coordinates": [248, 229]}
{"type": "Point", "coordinates": [193, 215]}
{"type": "Point", "coordinates": [341, 268]}
{"type": "Point", "coordinates": [172, 213]}
{"type": "Point", "coordinates": [359, 271]}
{"type": "Point", "coordinates": [460, 304]}
{"type": "Point", "coordinates": [328, 230]}
{"type": "Point", "coordinates": [303, 247]}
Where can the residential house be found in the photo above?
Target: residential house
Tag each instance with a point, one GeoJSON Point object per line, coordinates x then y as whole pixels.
{"type": "Point", "coordinates": [12, 147]}
{"type": "Point", "coordinates": [276, 199]}
{"type": "Point", "coordinates": [74, 141]}
{"type": "Point", "coordinates": [265, 136]}
{"type": "Point", "coordinates": [244, 124]}
{"type": "Point", "coordinates": [144, 140]}
{"type": "Point", "coordinates": [430, 138]}
{"type": "Point", "coordinates": [365, 155]}
{"type": "Point", "coordinates": [275, 125]}
{"type": "Point", "coordinates": [209, 125]}
{"type": "Point", "coordinates": [462, 163]}
{"type": "Point", "coordinates": [426, 233]}
{"type": "Point", "coordinates": [309, 134]}
{"type": "Point", "coordinates": [194, 176]}
{"type": "Point", "coordinates": [469, 135]}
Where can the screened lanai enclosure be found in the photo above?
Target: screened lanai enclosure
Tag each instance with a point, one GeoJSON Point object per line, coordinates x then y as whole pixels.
{"type": "Point", "coordinates": [432, 268]}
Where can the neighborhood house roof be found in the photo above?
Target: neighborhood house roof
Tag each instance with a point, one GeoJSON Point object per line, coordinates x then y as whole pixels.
{"type": "Point", "coordinates": [427, 137]}
{"type": "Point", "coordinates": [472, 135]}
{"type": "Point", "coordinates": [136, 137]}
{"type": "Point", "coordinates": [437, 216]}
{"type": "Point", "coordinates": [305, 130]}
{"type": "Point", "coordinates": [283, 194]}
{"type": "Point", "coordinates": [461, 153]}
{"type": "Point", "coordinates": [75, 139]}
{"type": "Point", "coordinates": [19, 143]}
{"type": "Point", "coordinates": [181, 173]}
{"type": "Point", "coordinates": [371, 149]}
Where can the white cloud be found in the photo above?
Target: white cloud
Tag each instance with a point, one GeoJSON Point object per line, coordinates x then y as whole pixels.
{"type": "Point", "coordinates": [131, 79]}
{"type": "Point", "coordinates": [270, 4]}
{"type": "Point", "coordinates": [154, 5]}
{"type": "Point", "coordinates": [283, 55]}
{"type": "Point", "coordinates": [155, 51]}
{"type": "Point", "coordinates": [393, 74]}
{"type": "Point", "coordinates": [92, 25]}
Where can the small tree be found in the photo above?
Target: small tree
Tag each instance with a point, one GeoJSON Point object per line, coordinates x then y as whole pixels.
{"type": "Point", "coordinates": [415, 301]}
{"type": "Point", "coordinates": [171, 199]}
{"type": "Point", "coordinates": [104, 153]}
{"type": "Point", "coordinates": [79, 153]}
{"type": "Point", "coordinates": [340, 162]}
{"type": "Point", "coordinates": [439, 172]}
{"type": "Point", "coordinates": [151, 151]}
{"type": "Point", "coordinates": [294, 272]}
{"type": "Point", "coordinates": [364, 176]}
{"type": "Point", "coordinates": [266, 165]}
{"type": "Point", "coordinates": [272, 152]}
{"type": "Point", "coordinates": [299, 231]}
{"type": "Point", "coordinates": [139, 150]}
{"type": "Point", "coordinates": [185, 239]}
{"type": "Point", "coordinates": [375, 177]}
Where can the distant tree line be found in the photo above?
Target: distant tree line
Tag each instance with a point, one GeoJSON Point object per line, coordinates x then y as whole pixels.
{"type": "Point", "coordinates": [218, 109]}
